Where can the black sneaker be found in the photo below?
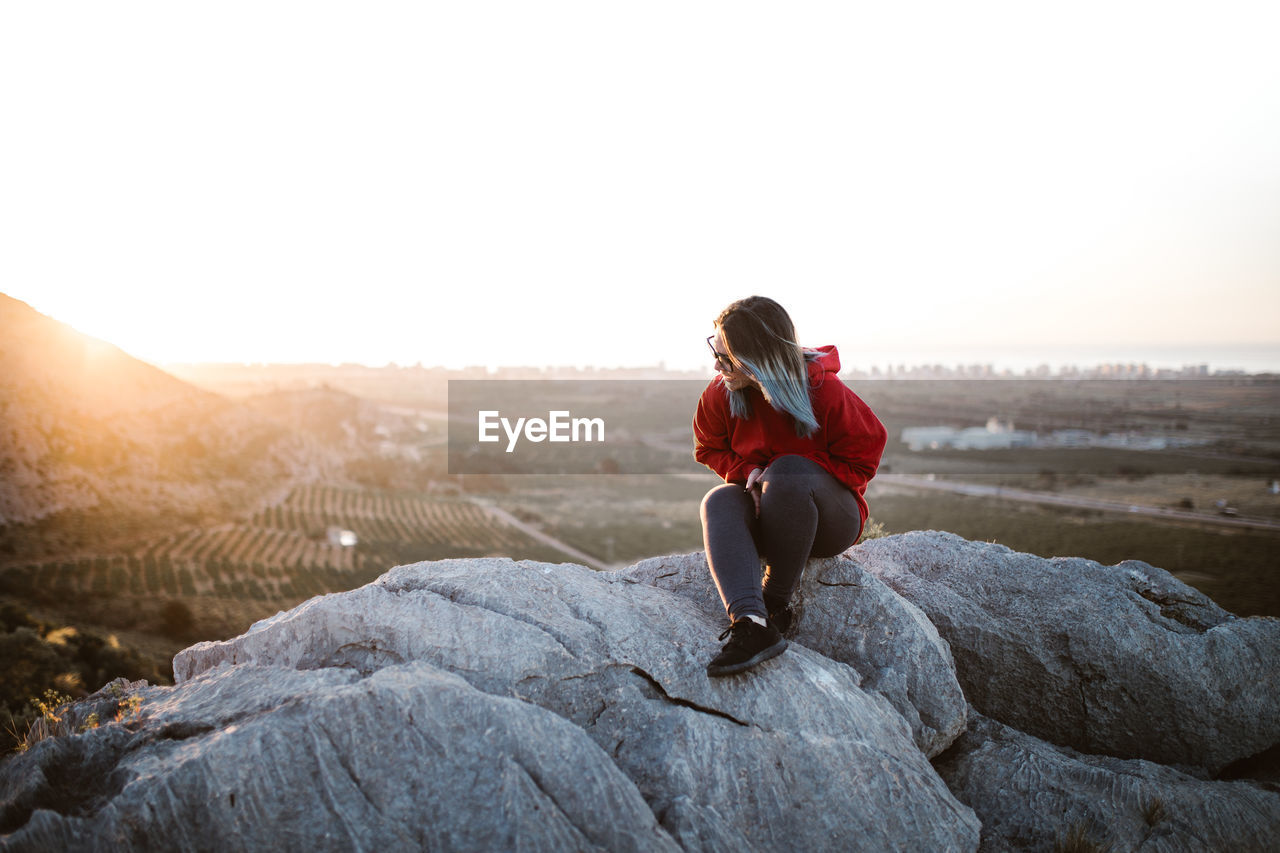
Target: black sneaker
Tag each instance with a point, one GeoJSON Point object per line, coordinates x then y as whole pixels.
{"type": "Point", "coordinates": [749, 644]}
{"type": "Point", "coordinates": [782, 615]}
{"type": "Point", "coordinates": [782, 619]}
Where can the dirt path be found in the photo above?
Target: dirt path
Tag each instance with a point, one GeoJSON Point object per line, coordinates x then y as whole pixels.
{"type": "Point", "coordinates": [500, 514]}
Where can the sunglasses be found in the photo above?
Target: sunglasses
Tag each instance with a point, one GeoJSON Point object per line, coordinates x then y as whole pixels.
{"type": "Point", "coordinates": [723, 361]}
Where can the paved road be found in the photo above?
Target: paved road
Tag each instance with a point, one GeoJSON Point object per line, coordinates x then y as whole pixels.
{"type": "Point", "coordinates": [916, 481]}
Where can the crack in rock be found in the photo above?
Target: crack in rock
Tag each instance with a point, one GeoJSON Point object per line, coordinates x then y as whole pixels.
{"type": "Point", "coordinates": [1174, 608]}
{"type": "Point", "coordinates": [685, 703]}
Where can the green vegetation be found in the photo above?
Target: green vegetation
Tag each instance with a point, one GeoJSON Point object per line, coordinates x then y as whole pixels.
{"type": "Point", "coordinates": [873, 529]}
{"type": "Point", "coordinates": [54, 716]}
{"type": "Point", "coordinates": [43, 666]}
{"type": "Point", "coordinates": [47, 721]}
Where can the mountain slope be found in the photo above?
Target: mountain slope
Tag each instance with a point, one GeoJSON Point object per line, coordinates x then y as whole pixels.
{"type": "Point", "coordinates": [94, 443]}
{"type": "Point", "coordinates": [47, 363]}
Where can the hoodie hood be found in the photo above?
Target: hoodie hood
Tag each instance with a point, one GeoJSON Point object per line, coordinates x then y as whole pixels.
{"type": "Point", "coordinates": [827, 362]}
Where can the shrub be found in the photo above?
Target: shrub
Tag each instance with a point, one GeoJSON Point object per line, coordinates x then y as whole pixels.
{"type": "Point", "coordinates": [176, 620]}
{"type": "Point", "coordinates": [873, 530]}
{"type": "Point", "coordinates": [36, 659]}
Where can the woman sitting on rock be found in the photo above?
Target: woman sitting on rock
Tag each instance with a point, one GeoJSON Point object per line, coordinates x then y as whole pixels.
{"type": "Point", "coordinates": [796, 448]}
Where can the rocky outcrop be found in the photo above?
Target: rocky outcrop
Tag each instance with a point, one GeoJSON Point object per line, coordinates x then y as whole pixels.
{"type": "Point", "coordinates": [849, 615]}
{"type": "Point", "coordinates": [1121, 660]}
{"type": "Point", "coordinates": [1028, 792]}
{"type": "Point", "coordinates": [489, 704]}
{"type": "Point", "coordinates": [257, 757]}
{"type": "Point", "coordinates": [795, 754]}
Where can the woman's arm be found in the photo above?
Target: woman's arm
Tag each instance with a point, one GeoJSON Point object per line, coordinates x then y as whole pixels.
{"type": "Point", "coordinates": [855, 436]}
{"type": "Point", "coordinates": [711, 445]}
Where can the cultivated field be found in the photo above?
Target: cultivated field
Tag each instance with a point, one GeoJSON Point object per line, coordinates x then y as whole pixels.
{"type": "Point", "coordinates": [233, 574]}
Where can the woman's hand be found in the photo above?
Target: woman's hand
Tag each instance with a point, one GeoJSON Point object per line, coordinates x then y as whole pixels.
{"type": "Point", "coordinates": [753, 486]}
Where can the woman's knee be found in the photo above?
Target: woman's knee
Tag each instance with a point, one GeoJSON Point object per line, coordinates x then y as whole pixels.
{"type": "Point", "coordinates": [725, 498]}
{"type": "Point", "coordinates": [789, 476]}
{"type": "Point", "coordinates": [791, 465]}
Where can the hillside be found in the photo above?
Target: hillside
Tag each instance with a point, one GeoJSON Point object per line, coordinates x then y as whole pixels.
{"type": "Point", "coordinates": [139, 513]}
{"type": "Point", "coordinates": [45, 362]}
{"type": "Point", "coordinates": [95, 444]}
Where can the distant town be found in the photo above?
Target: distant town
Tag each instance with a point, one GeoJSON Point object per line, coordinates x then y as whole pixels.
{"type": "Point", "coordinates": [1044, 371]}
{"type": "Point", "coordinates": [263, 376]}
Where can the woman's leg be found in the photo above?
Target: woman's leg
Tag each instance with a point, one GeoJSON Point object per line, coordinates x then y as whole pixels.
{"type": "Point", "coordinates": [804, 512]}
{"type": "Point", "coordinates": [728, 535]}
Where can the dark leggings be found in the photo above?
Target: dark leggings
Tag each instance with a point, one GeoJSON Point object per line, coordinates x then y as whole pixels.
{"type": "Point", "coordinates": [804, 512]}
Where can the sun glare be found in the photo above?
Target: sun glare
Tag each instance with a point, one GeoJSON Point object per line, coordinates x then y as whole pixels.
{"type": "Point", "coordinates": [109, 326]}
{"type": "Point", "coordinates": [455, 184]}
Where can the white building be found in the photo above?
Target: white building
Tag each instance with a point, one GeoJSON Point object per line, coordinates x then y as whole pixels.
{"type": "Point", "coordinates": [994, 436]}
{"type": "Point", "coordinates": [341, 538]}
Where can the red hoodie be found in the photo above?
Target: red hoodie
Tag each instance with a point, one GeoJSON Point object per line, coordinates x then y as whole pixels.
{"type": "Point", "coordinates": [848, 443]}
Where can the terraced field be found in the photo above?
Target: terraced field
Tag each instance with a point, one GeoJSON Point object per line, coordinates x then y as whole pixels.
{"type": "Point", "coordinates": [234, 574]}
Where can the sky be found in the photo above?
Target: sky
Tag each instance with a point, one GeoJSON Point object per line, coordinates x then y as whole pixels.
{"type": "Point", "coordinates": [590, 183]}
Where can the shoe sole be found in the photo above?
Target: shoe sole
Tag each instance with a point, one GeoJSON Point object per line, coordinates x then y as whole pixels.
{"type": "Point", "coordinates": [758, 658]}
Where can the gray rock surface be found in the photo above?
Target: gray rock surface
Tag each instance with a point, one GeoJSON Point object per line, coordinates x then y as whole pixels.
{"type": "Point", "coordinates": [1119, 660]}
{"type": "Point", "coordinates": [849, 615]}
{"type": "Point", "coordinates": [1033, 796]}
{"type": "Point", "coordinates": [489, 704]}
{"type": "Point", "coordinates": [462, 704]}
{"type": "Point", "coordinates": [254, 757]}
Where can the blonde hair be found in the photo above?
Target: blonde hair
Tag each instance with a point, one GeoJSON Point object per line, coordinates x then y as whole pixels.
{"type": "Point", "coordinates": [760, 337]}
